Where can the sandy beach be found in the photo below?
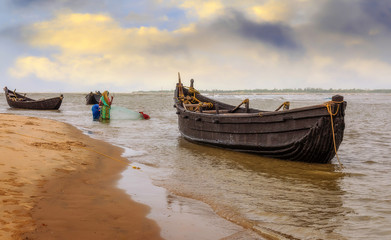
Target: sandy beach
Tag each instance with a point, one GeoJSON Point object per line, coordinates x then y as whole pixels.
{"type": "Point", "coordinates": [57, 183]}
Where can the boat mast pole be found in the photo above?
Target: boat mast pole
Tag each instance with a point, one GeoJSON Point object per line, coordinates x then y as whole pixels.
{"type": "Point", "coordinates": [180, 87]}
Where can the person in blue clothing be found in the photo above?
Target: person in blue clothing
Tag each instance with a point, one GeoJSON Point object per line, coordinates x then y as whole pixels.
{"type": "Point", "coordinates": [95, 112]}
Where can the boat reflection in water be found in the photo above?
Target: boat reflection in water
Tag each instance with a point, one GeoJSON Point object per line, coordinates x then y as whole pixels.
{"type": "Point", "coordinates": [277, 197]}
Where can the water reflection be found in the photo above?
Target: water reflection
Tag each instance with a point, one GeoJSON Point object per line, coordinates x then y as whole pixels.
{"type": "Point", "coordinates": [299, 199]}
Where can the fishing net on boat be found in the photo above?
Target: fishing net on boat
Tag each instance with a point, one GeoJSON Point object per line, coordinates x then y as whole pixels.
{"type": "Point", "coordinates": [121, 113]}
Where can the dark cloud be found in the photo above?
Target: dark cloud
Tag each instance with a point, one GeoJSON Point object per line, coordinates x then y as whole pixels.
{"type": "Point", "coordinates": [237, 25]}
{"type": "Point", "coordinates": [379, 11]}
{"type": "Point", "coordinates": [231, 30]}
{"type": "Point", "coordinates": [17, 34]}
{"type": "Point", "coordinates": [53, 5]}
{"type": "Point", "coordinates": [350, 29]}
{"type": "Point", "coordinates": [28, 3]}
{"type": "Point", "coordinates": [354, 17]}
{"type": "Point", "coordinates": [10, 33]}
{"type": "Point", "coordinates": [274, 34]}
{"type": "Point", "coordinates": [342, 16]}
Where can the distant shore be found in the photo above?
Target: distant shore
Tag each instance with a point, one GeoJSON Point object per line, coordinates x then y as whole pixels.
{"type": "Point", "coordinates": [281, 91]}
{"type": "Point", "coordinates": [256, 91]}
{"type": "Point", "coordinates": [57, 183]}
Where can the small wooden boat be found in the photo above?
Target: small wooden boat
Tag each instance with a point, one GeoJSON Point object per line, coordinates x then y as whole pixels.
{"type": "Point", "coordinates": [17, 100]}
{"type": "Point", "coordinates": [308, 134]}
{"type": "Point", "coordinates": [93, 97]}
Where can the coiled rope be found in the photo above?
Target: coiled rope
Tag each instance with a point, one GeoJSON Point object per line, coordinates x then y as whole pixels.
{"type": "Point", "coordinates": [193, 99]}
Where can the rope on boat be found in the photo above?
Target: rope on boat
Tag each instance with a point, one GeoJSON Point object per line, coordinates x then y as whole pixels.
{"type": "Point", "coordinates": [284, 106]}
{"type": "Point", "coordinates": [329, 110]}
{"type": "Point", "coordinates": [245, 101]}
{"type": "Point", "coordinates": [86, 148]}
{"type": "Point", "coordinates": [192, 99]}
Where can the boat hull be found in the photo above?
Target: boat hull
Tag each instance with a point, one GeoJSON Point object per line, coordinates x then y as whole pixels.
{"type": "Point", "coordinates": [308, 134]}
{"type": "Point", "coordinates": [27, 103]}
{"type": "Point", "coordinates": [92, 98]}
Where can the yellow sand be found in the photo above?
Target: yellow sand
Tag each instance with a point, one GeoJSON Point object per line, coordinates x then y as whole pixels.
{"type": "Point", "coordinates": [57, 183]}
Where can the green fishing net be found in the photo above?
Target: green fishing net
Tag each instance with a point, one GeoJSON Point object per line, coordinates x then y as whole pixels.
{"type": "Point", "coordinates": [122, 113]}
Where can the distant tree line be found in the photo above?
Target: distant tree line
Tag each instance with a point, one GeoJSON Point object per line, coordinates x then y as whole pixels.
{"type": "Point", "coordinates": [305, 90]}
{"type": "Point", "coordinates": [290, 90]}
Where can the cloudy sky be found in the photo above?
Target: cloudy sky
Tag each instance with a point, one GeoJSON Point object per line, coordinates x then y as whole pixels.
{"type": "Point", "coordinates": [129, 45]}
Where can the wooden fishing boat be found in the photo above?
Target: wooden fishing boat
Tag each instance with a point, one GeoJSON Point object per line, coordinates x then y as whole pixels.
{"type": "Point", "coordinates": [308, 134]}
{"type": "Point", "coordinates": [17, 100]}
{"type": "Point", "coordinates": [93, 97]}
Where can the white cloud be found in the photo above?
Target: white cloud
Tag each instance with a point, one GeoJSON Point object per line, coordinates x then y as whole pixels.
{"type": "Point", "coordinates": [223, 49]}
{"type": "Point", "coordinates": [203, 8]}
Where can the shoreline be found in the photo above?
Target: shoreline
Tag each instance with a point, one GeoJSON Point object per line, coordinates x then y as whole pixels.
{"type": "Point", "coordinates": [195, 219]}
{"type": "Point", "coordinates": [66, 185]}
{"type": "Point", "coordinates": [52, 188]}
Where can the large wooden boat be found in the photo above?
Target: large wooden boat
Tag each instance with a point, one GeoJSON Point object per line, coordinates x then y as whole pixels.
{"type": "Point", "coordinates": [308, 134]}
{"type": "Point", "coordinates": [93, 97]}
{"type": "Point", "coordinates": [17, 100]}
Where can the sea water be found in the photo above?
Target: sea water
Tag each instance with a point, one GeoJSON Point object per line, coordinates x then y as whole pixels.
{"type": "Point", "coordinates": [286, 199]}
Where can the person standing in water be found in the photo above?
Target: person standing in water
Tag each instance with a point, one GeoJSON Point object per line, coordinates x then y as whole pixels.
{"type": "Point", "coordinates": [95, 112]}
{"type": "Point", "coordinates": [105, 105]}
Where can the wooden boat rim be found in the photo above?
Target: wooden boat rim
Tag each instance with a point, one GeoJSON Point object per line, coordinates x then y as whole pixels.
{"type": "Point", "coordinates": [258, 114]}
{"type": "Point", "coordinates": [41, 100]}
{"type": "Point", "coordinates": [30, 99]}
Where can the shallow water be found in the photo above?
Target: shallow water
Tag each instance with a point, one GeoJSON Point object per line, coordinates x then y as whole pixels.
{"type": "Point", "coordinates": [288, 199]}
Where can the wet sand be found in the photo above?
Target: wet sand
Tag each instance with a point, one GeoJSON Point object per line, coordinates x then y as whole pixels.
{"type": "Point", "coordinates": [57, 183]}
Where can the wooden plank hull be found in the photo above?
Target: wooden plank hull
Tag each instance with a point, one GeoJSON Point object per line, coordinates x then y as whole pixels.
{"type": "Point", "coordinates": [92, 98]}
{"type": "Point", "coordinates": [302, 134]}
{"type": "Point", "coordinates": [16, 100]}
